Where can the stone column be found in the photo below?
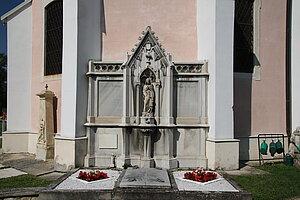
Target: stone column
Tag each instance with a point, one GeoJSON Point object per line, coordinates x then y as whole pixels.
{"type": "Point", "coordinates": [215, 27]}
{"type": "Point", "coordinates": [124, 159]}
{"type": "Point", "coordinates": [146, 160]}
{"type": "Point", "coordinates": [157, 100]}
{"type": "Point", "coordinates": [138, 103]}
{"type": "Point", "coordinates": [295, 63]}
{"type": "Point", "coordinates": [82, 41]}
{"type": "Point", "coordinates": [45, 143]}
{"type": "Point", "coordinates": [126, 102]}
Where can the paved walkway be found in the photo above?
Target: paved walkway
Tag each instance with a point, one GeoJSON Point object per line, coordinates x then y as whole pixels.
{"type": "Point", "coordinates": [246, 170]}
{"type": "Point", "coordinates": [24, 163]}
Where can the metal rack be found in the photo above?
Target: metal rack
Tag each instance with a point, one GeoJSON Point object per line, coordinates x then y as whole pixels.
{"type": "Point", "coordinates": [272, 136]}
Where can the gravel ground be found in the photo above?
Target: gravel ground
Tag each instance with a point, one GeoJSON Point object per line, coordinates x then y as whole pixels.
{"type": "Point", "coordinates": [73, 183]}
{"type": "Point", "coordinates": [221, 185]}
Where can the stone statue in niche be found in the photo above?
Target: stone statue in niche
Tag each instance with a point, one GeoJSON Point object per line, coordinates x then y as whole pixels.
{"type": "Point", "coordinates": [42, 136]}
{"type": "Point", "coordinates": [148, 94]}
{"type": "Point", "coordinates": [294, 147]}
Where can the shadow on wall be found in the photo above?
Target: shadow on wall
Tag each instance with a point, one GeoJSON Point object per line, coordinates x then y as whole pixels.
{"type": "Point", "coordinates": [242, 110]}
{"type": "Point", "coordinates": [55, 100]}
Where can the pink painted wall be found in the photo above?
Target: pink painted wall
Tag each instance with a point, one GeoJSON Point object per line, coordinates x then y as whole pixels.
{"type": "Point", "coordinates": [38, 83]}
{"type": "Point", "coordinates": [173, 21]}
{"type": "Point", "coordinates": [268, 94]}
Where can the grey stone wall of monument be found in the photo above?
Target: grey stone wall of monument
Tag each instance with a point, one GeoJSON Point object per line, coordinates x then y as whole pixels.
{"type": "Point", "coordinates": [45, 142]}
{"type": "Point", "coordinates": [294, 147]}
{"type": "Point", "coordinates": [148, 110]}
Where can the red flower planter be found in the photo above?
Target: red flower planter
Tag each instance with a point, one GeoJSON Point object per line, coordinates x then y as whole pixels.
{"type": "Point", "coordinates": [200, 175]}
{"type": "Point", "coordinates": [92, 176]}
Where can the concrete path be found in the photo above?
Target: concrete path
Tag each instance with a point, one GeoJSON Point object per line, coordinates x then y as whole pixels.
{"type": "Point", "coordinates": [247, 170]}
{"type": "Point", "coordinates": [10, 172]}
{"type": "Point", "coordinates": [26, 163]}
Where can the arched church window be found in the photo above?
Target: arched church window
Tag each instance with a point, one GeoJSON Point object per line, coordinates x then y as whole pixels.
{"type": "Point", "coordinates": [53, 37]}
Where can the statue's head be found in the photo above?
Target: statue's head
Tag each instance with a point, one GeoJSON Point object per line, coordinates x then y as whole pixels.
{"type": "Point", "coordinates": [297, 131]}
{"type": "Point", "coordinates": [148, 81]}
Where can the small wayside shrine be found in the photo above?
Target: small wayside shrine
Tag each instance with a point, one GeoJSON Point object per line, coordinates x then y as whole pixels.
{"type": "Point", "coordinates": [148, 110]}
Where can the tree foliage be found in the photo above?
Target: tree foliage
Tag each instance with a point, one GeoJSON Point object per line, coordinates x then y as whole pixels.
{"type": "Point", "coordinates": [3, 81]}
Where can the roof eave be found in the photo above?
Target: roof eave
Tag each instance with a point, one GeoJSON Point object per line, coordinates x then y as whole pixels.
{"type": "Point", "coordinates": [14, 10]}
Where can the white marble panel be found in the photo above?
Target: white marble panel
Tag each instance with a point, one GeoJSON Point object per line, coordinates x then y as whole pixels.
{"type": "Point", "coordinates": [110, 98]}
{"type": "Point", "coordinates": [187, 99]}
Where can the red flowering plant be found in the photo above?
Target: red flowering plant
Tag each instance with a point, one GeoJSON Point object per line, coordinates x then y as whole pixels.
{"type": "Point", "coordinates": [4, 116]}
{"type": "Point", "coordinates": [92, 176]}
{"type": "Point", "coordinates": [200, 175]}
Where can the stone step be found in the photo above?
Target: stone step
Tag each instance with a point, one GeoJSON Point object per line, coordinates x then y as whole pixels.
{"type": "Point", "coordinates": [142, 194]}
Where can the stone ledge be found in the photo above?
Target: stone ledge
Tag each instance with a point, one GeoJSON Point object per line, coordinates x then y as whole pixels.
{"type": "Point", "coordinates": [143, 194]}
{"type": "Point", "coordinates": [20, 192]}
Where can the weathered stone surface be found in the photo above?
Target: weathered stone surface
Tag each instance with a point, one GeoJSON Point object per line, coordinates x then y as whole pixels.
{"type": "Point", "coordinates": [145, 178]}
{"type": "Point", "coordinates": [45, 143]}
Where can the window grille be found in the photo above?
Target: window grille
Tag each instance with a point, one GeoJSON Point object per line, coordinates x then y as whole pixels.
{"type": "Point", "coordinates": [243, 36]}
{"type": "Point", "coordinates": [53, 38]}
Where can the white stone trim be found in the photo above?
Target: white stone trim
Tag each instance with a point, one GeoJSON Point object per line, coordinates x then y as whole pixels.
{"type": "Point", "coordinates": [223, 140]}
{"type": "Point", "coordinates": [256, 39]}
{"type": "Point", "coordinates": [295, 63]}
{"type": "Point", "coordinates": [19, 132]}
{"type": "Point", "coordinates": [68, 138]}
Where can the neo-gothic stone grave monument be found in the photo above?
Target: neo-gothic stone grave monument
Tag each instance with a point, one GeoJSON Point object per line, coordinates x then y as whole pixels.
{"type": "Point", "coordinates": [148, 110]}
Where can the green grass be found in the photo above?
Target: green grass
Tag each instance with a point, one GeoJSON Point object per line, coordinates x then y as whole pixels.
{"type": "Point", "coordinates": [23, 181]}
{"type": "Point", "coordinates": [282, 182]}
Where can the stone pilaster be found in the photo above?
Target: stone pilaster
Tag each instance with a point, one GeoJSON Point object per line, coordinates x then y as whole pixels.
{"type": "Point", "coordinates": [45, 142]}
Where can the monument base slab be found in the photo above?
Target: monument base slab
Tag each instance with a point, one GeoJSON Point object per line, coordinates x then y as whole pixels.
{"type": "Point", "coordinates": [145, 178]}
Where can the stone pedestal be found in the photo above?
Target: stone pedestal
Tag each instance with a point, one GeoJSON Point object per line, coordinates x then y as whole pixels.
{"type": "Point", "coordinates": [43, 152]}
{"type": "Point", "coordinates": [148, 129]}
{"type": "Point", "coordinates": [45, 143]}
{"type": "Point", "coordinates": [147, 162]}
{"type": "Point", "coordinates": [147, 121]}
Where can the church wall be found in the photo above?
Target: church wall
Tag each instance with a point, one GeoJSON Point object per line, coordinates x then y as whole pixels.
{"type": "Point", "coordinates": [268, 93]}
{"type": "Point", "coordinates": [19, 71]}
{"type": "Point", "coordinates": [174, 21]}
{"type": "Point", "coordinates": [260, 101]}
{"type": "Point", "coordinates": [215, 28]}
{"type": "Point", "coordinates": [295, 62]}
{"type": "Point", "coordinates": [18, 137]}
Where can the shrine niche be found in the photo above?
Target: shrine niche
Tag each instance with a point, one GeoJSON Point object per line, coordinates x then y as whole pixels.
{"type": "Point", "coordinates": [148, 110]}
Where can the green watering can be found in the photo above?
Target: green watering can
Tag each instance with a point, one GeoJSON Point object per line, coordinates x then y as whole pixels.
{"type": "Point", "coordinates": [288, 160]}
{"type": "Point", "coordinates": [272, 148]}
{"type": "Point", "coordinates": [279, 147]}
{"type": "Point", "coordinates": [264, 148]}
